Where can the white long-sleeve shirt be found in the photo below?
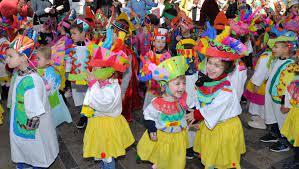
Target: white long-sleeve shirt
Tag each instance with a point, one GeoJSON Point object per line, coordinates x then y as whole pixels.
{"type": "Point", "coordinates": [106, 101]}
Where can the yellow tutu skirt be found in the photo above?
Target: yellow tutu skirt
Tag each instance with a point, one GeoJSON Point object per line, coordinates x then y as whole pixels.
{"type": "Point", "coordinates": [106, 137]}
{"type": "Point", "coordinates": [1, 114]}
{"type": "Point", "coordinates": [290, 128]}
{"type": "Point", "coordinates": [168, 152]}
{"type": "Point", "coordinates": [221, 147]}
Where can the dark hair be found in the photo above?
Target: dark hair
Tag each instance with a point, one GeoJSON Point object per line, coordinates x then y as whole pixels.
{"type": "Point", "coordinates": [154, 19]}
{"type": "Point", "coordinates": [229, 66]}
{"type": "Point", "coordinates": [78, 26]}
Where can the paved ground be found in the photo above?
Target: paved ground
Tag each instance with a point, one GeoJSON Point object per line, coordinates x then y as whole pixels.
{"type": "Point", "coordinates": [257, 156]}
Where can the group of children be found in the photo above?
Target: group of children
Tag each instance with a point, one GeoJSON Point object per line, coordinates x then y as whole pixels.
{"type": "Point", "coordinates": [194, 83]}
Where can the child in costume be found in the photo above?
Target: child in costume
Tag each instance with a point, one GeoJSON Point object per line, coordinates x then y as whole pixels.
{"type": "Point", "coordinates": [220, 138]}
{"type": "Point", "coordinates": [60, 50]}
{"type": "Point", "coordinates": [140, 6]}
{"type": "Point", "coordinates": [282, 50]}
{"type": "Point", "coordinates": [165, 141]}
{"type": "Point", "coordinates": [52, 80]}
{"type": "Point", "coordinates": [101, 22]}
{"type": "Point", "coordinates": [33, 137]}
{"type": "Point", "coordinates": [77, 64]}
{"type": "Point", "coordinates": [129, 82]}
{"type": "Point", "coordinates": [156, 56]}
{"type": "Point", "coordinates": [4, 75]}
{"type": "Point", "coordinates": [107, 134]}
{"type": "Point", "coordinates": [290, 128]}
{"type": "Point", "coordinates": [255, 88]}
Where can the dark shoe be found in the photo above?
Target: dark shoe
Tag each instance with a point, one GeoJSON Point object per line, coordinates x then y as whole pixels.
{"type": "Point", "coordinates": [190, 154]}
{"type": "Point", "coordinates": [291, 165]}
{"type": "Point", "coordinates": [269, 138]}
{"type": "Point", "coordinates": [82, 122]}
{"type": "Point", "coordinates": [279, 147]}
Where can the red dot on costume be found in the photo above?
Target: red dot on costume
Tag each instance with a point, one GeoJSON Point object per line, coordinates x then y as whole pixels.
{"type": "Point", "coordinates": [199, 155]}
{"type": "Point", "coordinates": [103, 155]}
{"type": "Point", "coordinates": [234, 164]}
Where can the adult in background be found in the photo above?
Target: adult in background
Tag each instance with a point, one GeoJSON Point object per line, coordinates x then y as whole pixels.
{"type": "Point", "coordinates": [208, 12]}
{"type": "Point", "coordinates": [233, 8]}
{"type": "Point", "coordinates": [62, 7]}
{"type": "Point", "coordinates": [43, 10]}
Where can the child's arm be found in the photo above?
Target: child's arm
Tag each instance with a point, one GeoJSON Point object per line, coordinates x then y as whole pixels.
{"type": "Point", "coordinates": [285, 104]}
{"type": "Point", "coordinates": [260, 73]}
{"type": "Point", "coordinates": [150, 116]}
{"type": "Point", "coordinates": [221, 108]}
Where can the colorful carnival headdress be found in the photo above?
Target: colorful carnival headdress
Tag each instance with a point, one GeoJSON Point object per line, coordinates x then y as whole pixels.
{"type": "Point", "coordinates": [170, 69]}
{"type": "Point", "coordinates": [165, 71]}
{"type": "Point", "coordinates": [107, 56]}
{"type": "Point", "coordinates": [160, 33]}
{"type": "Point", "coordinates": [220, 21]}
{"type": "Point", "coordinates": [85, 24]}
{"type": "Point", "coordinates": [244, 23]}
{"type": "Point", "coordinates": [123, 23]}
{"type": "Point", "coordinates": [100, 17]}
{"type": "Point", "coordinates": [89, 16]}
{"type": "Point", "coordinates": [291, 24]}
{"type": "Point", "coordinates": [284, 36]}
{"type": "Point", "coordinates": [65, 24]}
{"type": "Point", "coordinates": [148, 63]}
{"type": "Point", "coordinates": [182, 20]}
{"type": "Point", "coordinates": [24, 44]}
{"type": "Point", "coordinates": [222, 46]}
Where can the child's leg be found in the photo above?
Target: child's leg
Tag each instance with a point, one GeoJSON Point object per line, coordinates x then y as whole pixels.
{"type": "Point", "coordinates": [107, 163]}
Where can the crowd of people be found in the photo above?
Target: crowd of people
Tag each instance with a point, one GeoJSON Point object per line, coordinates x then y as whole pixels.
{"type": "Point", "coordinates": [184, 63]}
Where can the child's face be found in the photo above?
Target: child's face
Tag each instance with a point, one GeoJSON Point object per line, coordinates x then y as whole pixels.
{"type": "Point", "coordinates": [177, 86]}
{"type": "Point", "coordinates": [42, 62]}
{"type": "Point", "coordinates": [215, 67]}
{"type": "Point", "coordinates": [13, 59]}
{"type": "Point", "coordinates": [183, 29]}
{"type": "Point", "coordinates": [280, 50]}
{"type": "Point", "coordinates": [159, 44]}
{"type": "Point", "coordinates": [278, 7]}
{"type": "Point", "coordinates": [77, 35]}
{"type": "Point", "coordinates": [195, 2]}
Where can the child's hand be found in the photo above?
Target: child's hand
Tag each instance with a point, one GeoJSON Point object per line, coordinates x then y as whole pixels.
{"type": "Point", "coordinates": [284, 110]}
{"type": "Point", "coordinates": [153, 136]}
{"type": "Point", "coordinates": [48, 9]}
{"type": "Point", "coordinates": [59, 8]}
{"type": "Point", "coordinates": [32, 123]}
{"type": "Point", "coordinates": [190, 116]}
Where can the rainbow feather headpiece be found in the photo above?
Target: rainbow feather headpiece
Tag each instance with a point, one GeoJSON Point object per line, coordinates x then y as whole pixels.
{"type": "Point", "coordinates": [222, 46]}
{"type": "Point", "coordinates": [244, 23]}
